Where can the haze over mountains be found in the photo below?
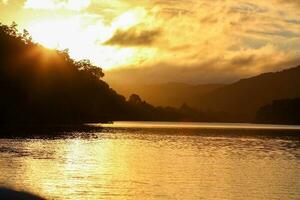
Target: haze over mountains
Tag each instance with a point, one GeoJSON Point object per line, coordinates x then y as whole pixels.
{"type": "Point", "coordinates": [167, 94]}
{"type": "Point", "coordinates": [246, 96]}
{"type": "Point", "coordinates": [240, 100]}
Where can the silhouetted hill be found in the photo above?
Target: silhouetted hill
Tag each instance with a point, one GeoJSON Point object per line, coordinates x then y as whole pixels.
{"type": "Point", "coordinates": [237, 102]}
{"type": "Point", "coordinates": [40, 85]}
{"type": "Point", "coordinates": [242, 99]}
{"type": "Point", "coordinates": [167, 94]}
{"type": "Point", "coordinates": [7, 194]}
{"type": "Point", "coordinates": [286, 111]}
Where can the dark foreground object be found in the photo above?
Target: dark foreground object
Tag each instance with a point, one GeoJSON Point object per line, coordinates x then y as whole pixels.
{"type": "Point", "coordinates": [8, 194]}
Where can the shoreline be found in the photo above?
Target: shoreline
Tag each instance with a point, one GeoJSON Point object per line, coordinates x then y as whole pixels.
{"type": "Point", "coordinates": [62, 131]}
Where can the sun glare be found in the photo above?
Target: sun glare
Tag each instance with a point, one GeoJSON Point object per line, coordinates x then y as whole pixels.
{"type": "Point", "coordinates": [84, 39]}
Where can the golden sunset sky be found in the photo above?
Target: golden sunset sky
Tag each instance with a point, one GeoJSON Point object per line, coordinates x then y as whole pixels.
{"type": "Point", "coordinates": [195, 41]}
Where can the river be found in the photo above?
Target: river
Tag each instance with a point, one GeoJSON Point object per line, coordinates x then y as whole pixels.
{"type": "Point", "coordinates": [148, 160]}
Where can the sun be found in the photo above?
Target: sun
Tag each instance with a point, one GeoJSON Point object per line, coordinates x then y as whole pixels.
{"type": "Point", "coordinates": [85, 38]}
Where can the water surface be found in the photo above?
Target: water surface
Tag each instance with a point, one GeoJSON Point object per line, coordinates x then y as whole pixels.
{"type": "Point", "coordinates": [157, 161]}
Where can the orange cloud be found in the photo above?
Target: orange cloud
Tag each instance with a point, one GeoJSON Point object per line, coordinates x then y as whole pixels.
{"type": "Point", "coordinates": [195, 40]}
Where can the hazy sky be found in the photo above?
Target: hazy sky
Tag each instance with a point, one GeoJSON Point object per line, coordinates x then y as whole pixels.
{"type": "Point", "coordinates": [196, 41]}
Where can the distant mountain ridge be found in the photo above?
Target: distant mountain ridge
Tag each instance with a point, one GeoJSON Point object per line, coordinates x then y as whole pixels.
{"type": "Point", "coordinates": [167, 94]}
{"type": "Point", "coordinates": [236, 102]}
{"type": "Point", "coordinates": [245, 97]}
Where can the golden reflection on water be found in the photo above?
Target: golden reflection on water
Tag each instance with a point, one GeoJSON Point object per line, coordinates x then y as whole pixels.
{"type": "Point", "coordinates": [123, 165]}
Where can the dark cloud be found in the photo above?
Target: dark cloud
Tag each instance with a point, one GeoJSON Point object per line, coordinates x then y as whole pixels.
{"type": "Point", "coordinates": [133, 37]}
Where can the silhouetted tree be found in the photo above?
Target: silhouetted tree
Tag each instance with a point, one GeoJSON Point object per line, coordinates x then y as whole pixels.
{"type": "Point", "coordinates": [286, 111]}
{"type": "Point", "coordinates": [46, 86]}
{"type": "Point", "coordinates": [135, 99]}
{"type": "Point", "coordinates": [87, 66]}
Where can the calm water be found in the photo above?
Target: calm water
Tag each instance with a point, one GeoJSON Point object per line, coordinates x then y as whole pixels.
{"type": "Point", "coordinates": [158, 161]}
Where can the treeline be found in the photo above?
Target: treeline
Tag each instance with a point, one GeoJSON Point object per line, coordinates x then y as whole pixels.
{"type": "Point", "coordinates": [43, 86]}
{"type": "Point", "coordinates": [286, 111]}
{"type": "Point", "coordinates": [144, 112]}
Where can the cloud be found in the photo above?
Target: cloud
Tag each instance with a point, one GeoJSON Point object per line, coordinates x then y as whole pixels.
{"type": "Point", "coordinates": [133, 37]}
{"type": "Point", "coordinates": [181, 40]}
{"type": "Point", "coordinates": [216, 41]}
{"type": "Point", "coordinates": [214, 70]}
